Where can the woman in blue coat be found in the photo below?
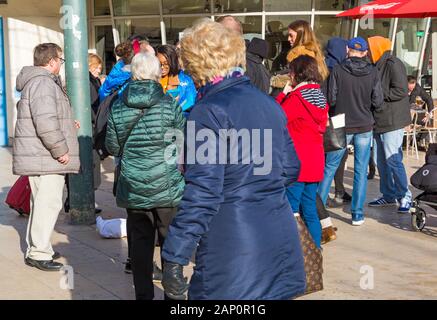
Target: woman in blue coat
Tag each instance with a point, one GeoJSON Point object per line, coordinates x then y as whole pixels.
{"type": "Point", "coordinates": [236, 214]}
{"type": "Point", "coordinates": [175, 82]}
{"type": "Point", "coordinates": [120, 74]}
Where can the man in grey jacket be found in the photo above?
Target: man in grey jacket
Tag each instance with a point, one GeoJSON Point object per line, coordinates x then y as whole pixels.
{"type": "Point", "coordinates": [45, 148]}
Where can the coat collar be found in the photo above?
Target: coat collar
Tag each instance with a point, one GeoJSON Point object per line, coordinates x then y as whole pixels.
{"type": "Point", "coordinates": [225, 84]}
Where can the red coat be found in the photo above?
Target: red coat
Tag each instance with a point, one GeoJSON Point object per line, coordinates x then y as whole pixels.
{"type": "Point", "coordinates": [306, 125]}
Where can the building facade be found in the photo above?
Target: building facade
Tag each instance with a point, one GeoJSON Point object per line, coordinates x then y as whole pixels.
{"type": "Point", "coordinates": [29, 22]}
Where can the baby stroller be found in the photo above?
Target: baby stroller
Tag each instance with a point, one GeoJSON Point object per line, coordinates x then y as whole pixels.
{"type": "Point", "coordinates": [425, 179]}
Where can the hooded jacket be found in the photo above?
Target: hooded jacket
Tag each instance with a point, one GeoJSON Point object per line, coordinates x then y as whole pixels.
{"type": "Point", "coordinates": [117, 79]}
{"type": "Point", "coordinates": [45, 128]}
{"type": "Point", "coordinates": [395, 112]}
{"type": "Point", "coordinates": [355, 90]}
{"type": "Point", "coordinates": [185, 93]}
{"type": "Point", "coordinates": [336, 52]}
{"type": "Point", "coordinates": [136, 130]}
{"type": "Point", "coordinates": [257, 72]}
{"type": "Point", "coordinates": [307, 114]}
{"type": "Point", "coordinates": [378, 46]}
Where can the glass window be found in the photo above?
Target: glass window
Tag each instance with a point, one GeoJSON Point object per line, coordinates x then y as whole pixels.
{"type": "Point", "coordinates": [135, 7]}
{"type": "Point", "coordinates": [277, 38]}
{"type": "Point", "coordinates": [287, 5]}
{"type": "Point", "coordinates": [105, 47]}
{"type": "Point", "coordinates": [335, 5]}
{"type": "Point", "coordinates": [173, 26]}
{"type": "Point", "coordinates": [327, 27]}
{"type": "Point", "coordinates": [150, 27]}
{"type": "Point", "coordinates": [101, 8]}
{"type": "Point", "coordinates": [252, 26]}
{"type": "Point", "coordinates": [187, 6]}
{"type": "Point", "coordinates": [426, 80]}
{"type": "Point", "coordinates": [233, 6]}
{"type": "Point", "coordinates": [409, 42]}
{"type": "Point", "coordinates": [381, 27]}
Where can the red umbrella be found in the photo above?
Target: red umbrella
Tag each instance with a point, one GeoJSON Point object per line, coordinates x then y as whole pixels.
{"type": "Point", "coordinates": [394, 9]}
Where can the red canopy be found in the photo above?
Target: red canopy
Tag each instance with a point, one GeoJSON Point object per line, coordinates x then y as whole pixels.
{"type": "Point", "coordinates": [394, 9]}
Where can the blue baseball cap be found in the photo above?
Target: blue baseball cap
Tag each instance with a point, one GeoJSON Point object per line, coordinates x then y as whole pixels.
{"type": "Point", "coordinates": [358, 44]}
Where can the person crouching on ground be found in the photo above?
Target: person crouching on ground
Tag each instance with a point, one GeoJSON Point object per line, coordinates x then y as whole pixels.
{"type": "Point", "coordinates": [149, 187]}
{"type": "Point", "coordinates": [307, 114]}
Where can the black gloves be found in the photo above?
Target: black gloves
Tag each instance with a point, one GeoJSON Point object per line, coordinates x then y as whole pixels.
{"type": "Point", "coordinates": [173, 281]}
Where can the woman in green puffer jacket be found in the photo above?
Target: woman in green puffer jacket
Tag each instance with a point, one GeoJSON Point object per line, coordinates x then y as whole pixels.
{"type": "Point", "coordinates": [149, 186]}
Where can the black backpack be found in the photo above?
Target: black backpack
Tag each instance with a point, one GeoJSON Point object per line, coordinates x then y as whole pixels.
{"type": "Point", "coordinates": [426, 177]}
{"type": "Point", "coordinates": [101, 123]}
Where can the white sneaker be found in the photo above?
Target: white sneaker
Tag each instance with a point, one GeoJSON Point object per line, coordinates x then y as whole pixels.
{"type": "Point", "coordinates": [405, 206]}
{"type": "Point", "coordinates": [357, 222]}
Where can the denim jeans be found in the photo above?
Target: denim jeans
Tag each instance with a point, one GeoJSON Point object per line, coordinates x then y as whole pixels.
{"type": "Point", "coordinates": [303, 195]}
{"type": "Point", "coordinates": [362, 144]}
{"type": "Point", "coordinates": [393, 177]}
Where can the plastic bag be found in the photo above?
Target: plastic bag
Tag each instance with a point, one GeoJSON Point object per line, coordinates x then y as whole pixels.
{"type": "Point", "coordinates": [111, 228]}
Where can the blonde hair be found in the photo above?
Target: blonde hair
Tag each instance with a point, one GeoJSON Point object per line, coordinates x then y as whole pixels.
{"type": "Point", "coordinates": [208, 50]}
{"type": "Point", "coordinates": [94, 61]}
{"type": "Point", "coordinates": [146, 66]}
{"type": "Point", "coordinates": [307, 38]}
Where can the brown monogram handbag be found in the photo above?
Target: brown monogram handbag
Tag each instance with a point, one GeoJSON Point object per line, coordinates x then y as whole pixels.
{"type": "Point", "coordinates": [313, 260]}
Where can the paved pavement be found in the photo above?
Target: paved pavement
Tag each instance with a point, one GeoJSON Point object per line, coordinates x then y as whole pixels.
{"type": "Point", "coordinates": [403, 262]}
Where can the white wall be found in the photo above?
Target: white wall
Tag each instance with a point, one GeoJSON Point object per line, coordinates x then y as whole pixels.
{"type": "Point", "coordinates": [21, 37]}
{"type": "Point", "coordinates": [26, 24]}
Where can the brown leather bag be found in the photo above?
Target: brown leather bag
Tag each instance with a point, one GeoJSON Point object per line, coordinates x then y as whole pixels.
{"type": "Point", "coordinates": [313, 260]}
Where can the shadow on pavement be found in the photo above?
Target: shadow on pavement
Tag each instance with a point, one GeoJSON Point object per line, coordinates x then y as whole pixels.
{"type": "Point", "coordinates": [97, 264]}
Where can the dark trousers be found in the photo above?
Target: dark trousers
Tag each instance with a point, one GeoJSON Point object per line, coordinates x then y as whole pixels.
{"type": "Point", "coordinates": [372, 164]}
{"type": "Point", "coordinates": [339, 176]}
{"type": "Point", "coordinates": [321, 210]}
{"type": "Point", "coordinates": [142, 226]}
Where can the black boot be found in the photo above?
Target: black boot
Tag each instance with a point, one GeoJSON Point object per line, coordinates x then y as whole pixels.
{"type": "Point", "coordinates": [157, 273]}
{"type": "Point", "coordinates": [128, 266]}
{"type": "Point", "coordinates": [346, 197]}
{"type": "Point", "coordinates": [173, 280]}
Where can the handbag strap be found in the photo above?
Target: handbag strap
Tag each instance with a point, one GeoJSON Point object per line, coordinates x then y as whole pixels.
{"type": "Point", "coordinates": [130, 131]}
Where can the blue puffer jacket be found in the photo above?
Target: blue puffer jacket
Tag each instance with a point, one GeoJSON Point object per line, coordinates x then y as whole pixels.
{"type": "Point", "coordinates": [117, 79]}
{"type": "Point", "coordinates": [241, 224]}
{"type": "Point", "coordinates": [186, 92]}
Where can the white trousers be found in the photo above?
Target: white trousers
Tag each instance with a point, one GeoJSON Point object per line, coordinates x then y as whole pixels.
{"type": "Point", "coordinates": [45, 205]}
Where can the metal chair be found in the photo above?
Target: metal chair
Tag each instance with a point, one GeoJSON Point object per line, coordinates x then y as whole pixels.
{"type": "Point", "coordinates": [411, 132]}
{"type": "Point", "coordinates": [430, 126]}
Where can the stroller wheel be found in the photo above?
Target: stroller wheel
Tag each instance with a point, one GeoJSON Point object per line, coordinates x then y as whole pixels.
{"type": "Point", "coordinates": [418, 219]}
